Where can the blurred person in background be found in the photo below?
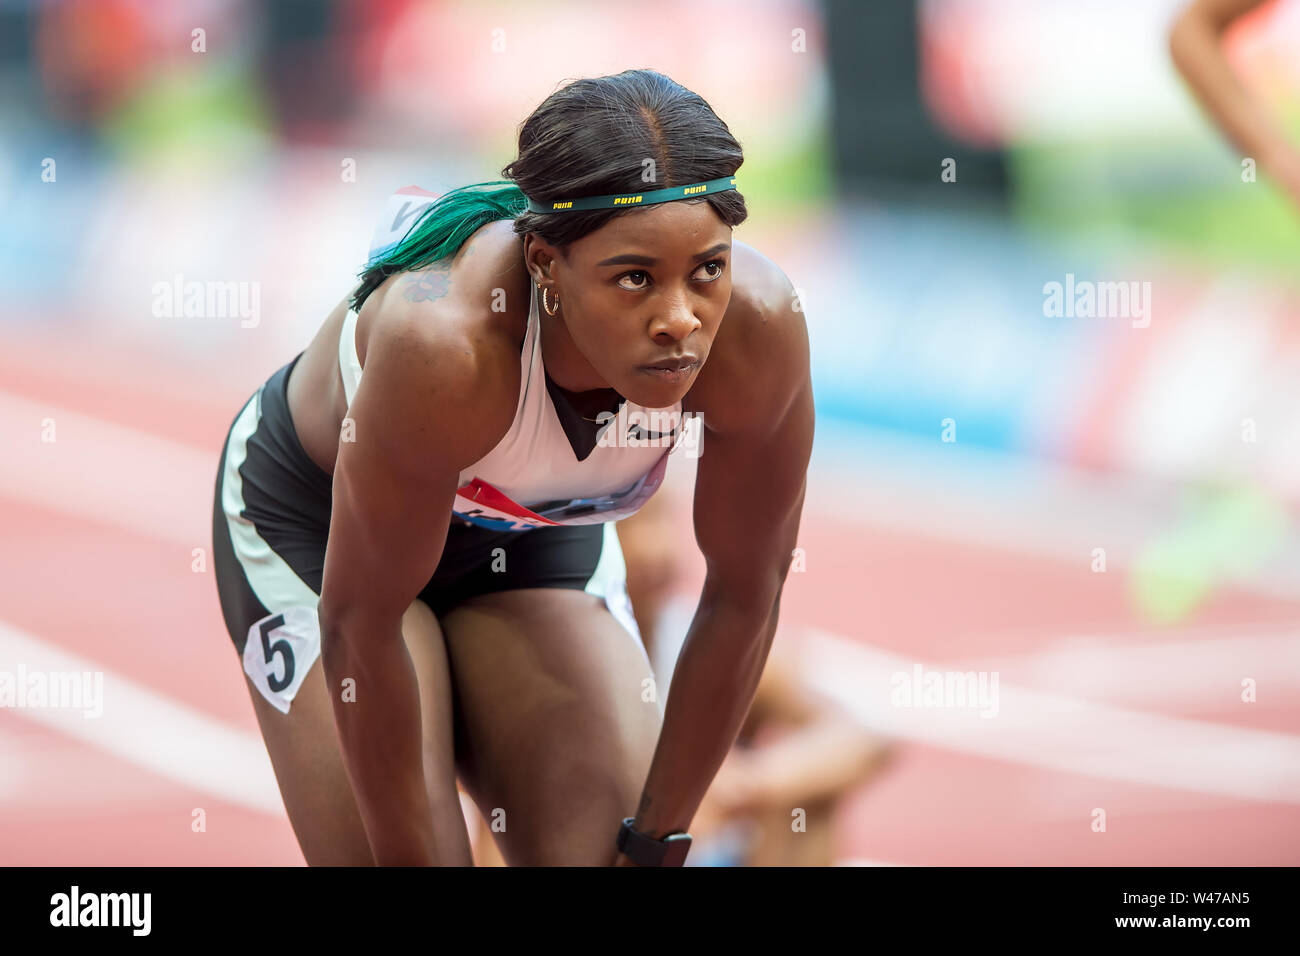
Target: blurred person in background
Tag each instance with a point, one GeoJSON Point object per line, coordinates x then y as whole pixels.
{"type": "Point", "coordinates": [1196, 43]}
{"type": "Point", "coordinates": [1234, 524]}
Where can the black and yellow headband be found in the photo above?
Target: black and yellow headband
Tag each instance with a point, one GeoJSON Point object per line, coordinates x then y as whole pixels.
{"type": "Point", "coordinates": [620, 200]}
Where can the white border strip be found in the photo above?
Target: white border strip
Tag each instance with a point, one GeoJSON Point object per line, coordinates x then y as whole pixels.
{"type": "Point", "coordinates": [1060, 733]}
{"type": "Point", "coordinates": [276, 584]}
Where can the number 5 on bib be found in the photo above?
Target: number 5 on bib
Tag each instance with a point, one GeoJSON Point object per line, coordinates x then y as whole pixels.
{"type": "Point", "coordinates": [280, 651]}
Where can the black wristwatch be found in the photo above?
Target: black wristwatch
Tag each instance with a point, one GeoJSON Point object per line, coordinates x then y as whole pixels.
{"type": "Point", "coordinates": [647, 851]}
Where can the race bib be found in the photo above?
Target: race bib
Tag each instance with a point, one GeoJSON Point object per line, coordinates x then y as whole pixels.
{"type": "Point", "coordinates": [280, 651]}
{"type": "Point", "coordinates": [400, 214]}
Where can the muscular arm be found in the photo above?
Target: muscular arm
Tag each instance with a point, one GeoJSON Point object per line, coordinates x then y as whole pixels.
{"type": "Point", "coordinates": [1196, 45]}
{"type": "Point", "coordinates": [757, 410]}
{"type": "Point", "coordinates": [423, 411]}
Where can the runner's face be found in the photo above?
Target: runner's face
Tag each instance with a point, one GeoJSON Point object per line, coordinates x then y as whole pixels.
{"type": "Point", "coordinates": [646, 289]}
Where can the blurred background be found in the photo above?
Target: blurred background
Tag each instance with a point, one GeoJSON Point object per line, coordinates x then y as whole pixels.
{"type": "Point", "coordinates": [1096, 512]}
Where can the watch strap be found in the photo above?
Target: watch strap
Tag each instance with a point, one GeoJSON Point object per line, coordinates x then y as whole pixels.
{"type": "Point", "coordinates": [647, 851]}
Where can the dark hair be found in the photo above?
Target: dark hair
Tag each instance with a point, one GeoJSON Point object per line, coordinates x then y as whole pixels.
{"type": "Point", "coordinates": [612, 134]}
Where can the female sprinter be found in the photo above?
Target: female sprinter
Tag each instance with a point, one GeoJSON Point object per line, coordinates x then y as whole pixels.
{"type": "Point", "coordinates": [424, 500]}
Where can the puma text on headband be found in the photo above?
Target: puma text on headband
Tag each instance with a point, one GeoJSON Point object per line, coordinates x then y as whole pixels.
{"type": "Point", "coordinates": [619, 200]}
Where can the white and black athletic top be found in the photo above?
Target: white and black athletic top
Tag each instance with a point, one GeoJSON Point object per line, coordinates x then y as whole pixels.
{"type": "Point", "coordinates": [552, 467]}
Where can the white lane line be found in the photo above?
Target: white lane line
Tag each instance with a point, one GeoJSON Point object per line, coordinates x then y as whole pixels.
{"type": "Point", "coordinates": [1205, 674]}
{"type": "Point", "coordinates": [863, 861]}
{"type": "Point", "coordinates": [1061, 733]}
{"type": "Point", "coordinates": [108, 473]}
{"type": "Point", "coordinates": [151, 731]}
{"type": "Point", "coordinates": [15, 769]}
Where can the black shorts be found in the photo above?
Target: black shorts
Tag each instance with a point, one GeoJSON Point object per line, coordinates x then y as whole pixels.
{"type": "Point", "coordinates": [270, 524]}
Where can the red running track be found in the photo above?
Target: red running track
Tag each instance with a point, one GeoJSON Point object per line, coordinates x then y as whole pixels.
{"type": "Point", "coordinates": [126, 600]}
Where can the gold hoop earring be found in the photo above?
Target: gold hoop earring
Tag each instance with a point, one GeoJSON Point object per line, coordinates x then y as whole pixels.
{"type": "Point", "coordinates": [546, 301]}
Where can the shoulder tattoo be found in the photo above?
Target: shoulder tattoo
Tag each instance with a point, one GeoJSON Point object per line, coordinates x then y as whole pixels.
{"type": "Point", "coordinates": [427, 284]}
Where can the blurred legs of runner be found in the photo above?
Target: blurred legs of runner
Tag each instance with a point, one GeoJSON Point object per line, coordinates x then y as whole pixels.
{"type": "Point", "coordinates": [761, 835]}
{"type": "Point", "coordinates": [775, 843]}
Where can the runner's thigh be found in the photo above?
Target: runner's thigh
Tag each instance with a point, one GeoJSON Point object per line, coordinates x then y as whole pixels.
{"type": "Point", "coordinates": [558, 724]}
